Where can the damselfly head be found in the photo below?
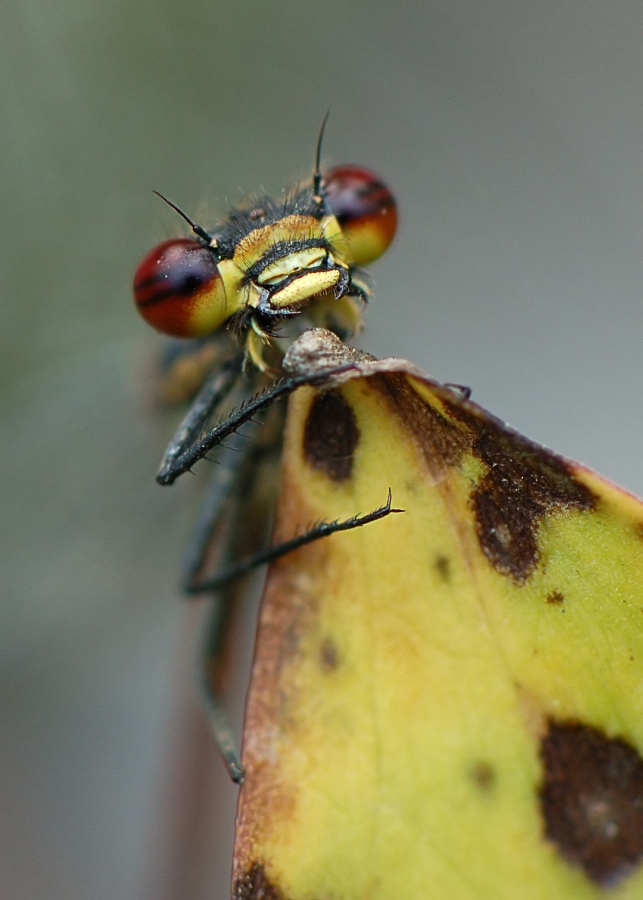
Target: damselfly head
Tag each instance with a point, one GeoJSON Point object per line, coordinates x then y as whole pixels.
{"type": "Point", "coordinates": [272, 261]}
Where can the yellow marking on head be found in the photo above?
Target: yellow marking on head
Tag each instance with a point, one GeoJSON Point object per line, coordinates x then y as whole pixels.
{"type": "Point", "coordinates": [292, 228]}
{"type": "Point", "coordinates": [291, 264]}
{"type": "Point", "coordinates": [305, 287]}
{"type": "Point", "coordinates": [236, 295]}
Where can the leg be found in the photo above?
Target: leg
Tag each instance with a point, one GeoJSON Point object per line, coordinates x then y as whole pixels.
{"type": "Point", "coordinates": [211, 671]}
{"type": "Point", "coordinates": [218, 631]}
{"type": "Point", "coordinates": [213, 393]}
{"type": "Point", "coordinates": [217, 513]}
{"type": "Point", "coordinates": [236, 570]}
{"type": "Point", "coordinates": [216, 541]}
{"type": "Point", "coordinates": [183, 454]}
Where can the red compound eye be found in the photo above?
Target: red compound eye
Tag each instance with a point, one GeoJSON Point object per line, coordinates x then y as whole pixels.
{"type": "Point", "coordinates": [365, 209]}
{"type": "Point", "coordinates": [178, 289]}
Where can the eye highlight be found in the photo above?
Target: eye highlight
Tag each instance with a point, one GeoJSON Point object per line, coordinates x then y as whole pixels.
{"type": "Point", "coordinates": [178, 289]}
{"type": "Point", "coordinates": [365, 209]}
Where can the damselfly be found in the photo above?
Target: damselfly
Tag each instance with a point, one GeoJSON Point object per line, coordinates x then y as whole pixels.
{"type": "Point", "coordinates": [236, 297]}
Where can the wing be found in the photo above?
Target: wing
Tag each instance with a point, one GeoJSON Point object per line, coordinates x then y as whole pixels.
{"type": "Point", "coordinates": [449, 703]}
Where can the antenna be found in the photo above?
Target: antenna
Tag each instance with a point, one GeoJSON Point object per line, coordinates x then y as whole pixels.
{"type": "Point", "coordinates": [200, 232]}
{"type": "Point", "coordinates": [317, 177]}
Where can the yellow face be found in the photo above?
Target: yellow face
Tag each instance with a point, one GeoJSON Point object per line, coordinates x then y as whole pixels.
{"type": "Point", "coordinates": [280, 267]}
{"type": "Point", "coordinates": [272, 261]}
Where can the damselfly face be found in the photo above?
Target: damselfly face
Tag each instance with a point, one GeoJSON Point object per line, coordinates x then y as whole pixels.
{"type": "Point", "coordinates": [272, 261]}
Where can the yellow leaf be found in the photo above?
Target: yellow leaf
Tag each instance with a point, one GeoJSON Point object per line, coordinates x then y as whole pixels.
{"type": "Point", "coordinates": [447, 703]}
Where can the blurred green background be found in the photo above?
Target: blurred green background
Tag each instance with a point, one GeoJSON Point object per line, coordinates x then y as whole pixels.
{"type": "Point", "coordinates": [512, 135]}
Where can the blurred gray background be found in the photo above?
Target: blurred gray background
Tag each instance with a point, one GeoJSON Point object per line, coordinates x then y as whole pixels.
{"type": "Point", "coordinates": [512, 136]}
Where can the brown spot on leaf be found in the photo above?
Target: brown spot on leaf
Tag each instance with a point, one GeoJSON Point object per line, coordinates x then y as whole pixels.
{"type": "Point", "coordinates": [254, 885]}
{"type": "Point", "coordinates": [484, 775]}
{"type": "Point", "coordinates": [443, 567]}
{"type": "Point", "coordinates": [329, 656]}
{"type": "Point", "coordinates": [331, 435]}
{"type": "Point", "coordinates": [523, 484]}
{"type": "Point", "coordinates": [555, 598]}
{"type": "Point", "coordinates": [592, 800]}
{"type": "Point", "coordinates": [441, 441]}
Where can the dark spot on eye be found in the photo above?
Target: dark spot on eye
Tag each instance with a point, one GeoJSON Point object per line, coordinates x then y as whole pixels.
{"type": "Point", "coordinates": [331, 435]}
{"type": "Point", "coordinates": [329, 656]}
{"type": "Point", "coordinates": [254, 885]}
{"type": "Point", "coordinates": [484, 775]}
{"type": "Point", "coordinates": [592, 800]}
{"type": "Point", "coordinates": [443, 567]}
{"type": "Point", "coordinates": [555, 598]}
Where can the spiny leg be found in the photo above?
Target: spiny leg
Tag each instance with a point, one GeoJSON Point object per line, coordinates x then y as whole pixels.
{"type": "Point", "coordinates": [217, 510]}
{"type": "Point", "coordinates": [216, 636]}
{"type": "Point", "coordinates": [219, 500]}
{"type": "Point", "coordinates": [218, 534]}
{"type": "Point", "coordinates": [238, 569]}
{"type": "Point", "coordinates": [212, 394]}
{"type": "Point", "coordinates": [182, 457]}
{"type": "Point", "coordinates": [218, 631]}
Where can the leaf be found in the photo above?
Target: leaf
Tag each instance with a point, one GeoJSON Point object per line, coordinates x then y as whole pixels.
{"type": "Point", "coordinates": [448, 703]}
